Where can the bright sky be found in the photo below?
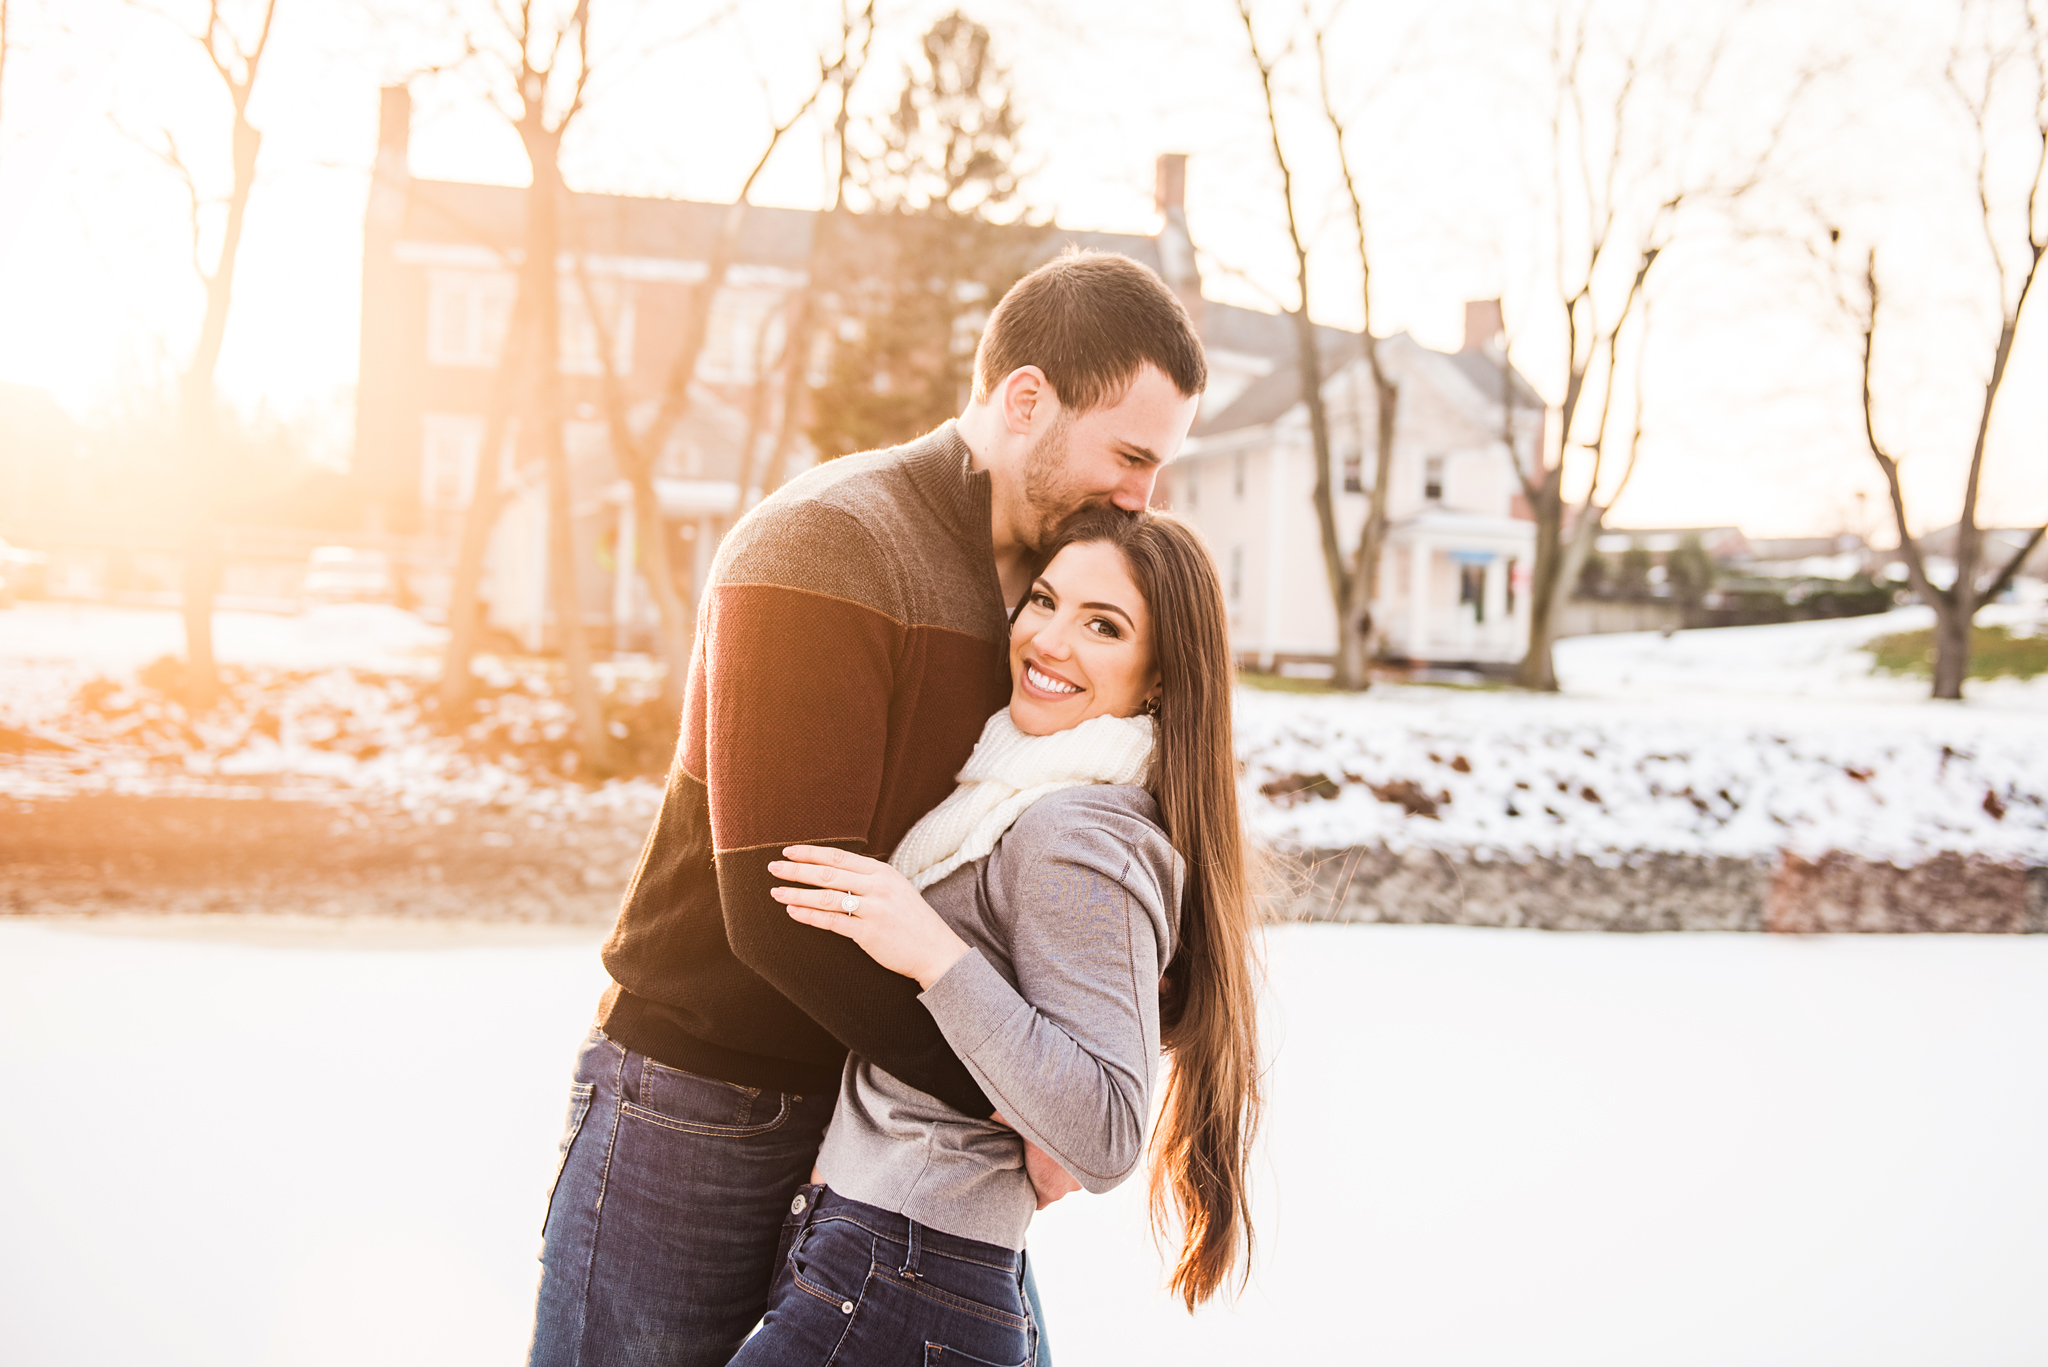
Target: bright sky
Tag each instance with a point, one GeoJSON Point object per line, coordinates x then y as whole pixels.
{"type": "Point", "coordinates": [1751, 412]}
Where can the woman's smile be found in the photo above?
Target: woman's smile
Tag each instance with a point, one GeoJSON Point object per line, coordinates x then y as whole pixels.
{"type": "Point", "coordinates": [1039, 679]}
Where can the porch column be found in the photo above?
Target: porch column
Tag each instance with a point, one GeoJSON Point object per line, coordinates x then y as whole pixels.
{"type": "Point", "coordinates": [1496, 596]}
{"type": "Point", "coordinates": [1418, 599]}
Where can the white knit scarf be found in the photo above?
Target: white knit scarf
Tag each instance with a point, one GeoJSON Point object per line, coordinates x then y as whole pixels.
{"type": "Point", "coordinates": [1009, 771]}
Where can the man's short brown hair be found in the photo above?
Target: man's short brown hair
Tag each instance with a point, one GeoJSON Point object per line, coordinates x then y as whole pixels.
{"type": "Point", "coordinates": [1090, 320]}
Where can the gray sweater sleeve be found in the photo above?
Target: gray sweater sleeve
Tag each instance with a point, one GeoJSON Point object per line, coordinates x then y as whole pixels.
{"type": "Point", "coordinates": [1088, 890]}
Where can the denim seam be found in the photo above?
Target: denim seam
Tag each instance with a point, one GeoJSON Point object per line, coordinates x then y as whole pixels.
{"type": "Point", "coordinates": [604, 1175]}
{"type": "Point", "coordinates": [886, 1237]}
{"type": "Point", "coordinates": [822, 1293]}
{"type": "Point", "coordinates": [963, 1304]}
{"type": "Point", "coordinates": [627, 1108]}
{"type": "Point", "coordinates": [582, 1096]}
{"type": "Point", "coordinates": [648, 1067]}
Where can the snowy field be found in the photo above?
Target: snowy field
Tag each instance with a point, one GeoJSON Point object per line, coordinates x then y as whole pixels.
{"type": "Point", "coordinates": [284, 1145]}
{"type": "Point", "coordinates": [1741, 741]}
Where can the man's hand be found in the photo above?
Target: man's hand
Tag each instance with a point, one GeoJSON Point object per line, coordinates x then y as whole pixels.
{"type": "Point", "coordinates": [1048, 1178]}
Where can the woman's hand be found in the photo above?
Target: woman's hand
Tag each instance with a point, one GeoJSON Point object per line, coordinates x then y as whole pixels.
{"type": "Point", "coordinates": [889, 920]}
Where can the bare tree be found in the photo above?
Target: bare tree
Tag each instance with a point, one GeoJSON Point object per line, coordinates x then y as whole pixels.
{"type": "Point", "coordinates": [237, 67]}
{"type": "Point", "coordinates": [1353, 582]}
{"type": "Point", "coordinates": [1357, 633]}
{"type": "Point", "coordinates": [1626, 132]}
{"type": "Point", "coordinates": [465, 607]}
{"type": "Point", "coordinates": [2015, 226]}
{"type": "Point", "coordinates": [1308, 357]}
{"type": "Point", "coordinates": [637, 449]}
{"type": "Point", "coordinates": [538, 70]}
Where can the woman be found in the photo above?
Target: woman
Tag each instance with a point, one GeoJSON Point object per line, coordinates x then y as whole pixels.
{"type": "Point", "coordinates": [1079, 902]}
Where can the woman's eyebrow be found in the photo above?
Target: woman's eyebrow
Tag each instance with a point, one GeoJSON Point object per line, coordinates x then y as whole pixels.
{"type": "Point", "coordinates": [1111, 607]}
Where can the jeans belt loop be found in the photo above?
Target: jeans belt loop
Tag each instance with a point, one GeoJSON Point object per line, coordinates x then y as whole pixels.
{"type": "Point", "coordinates": [909, 1269]}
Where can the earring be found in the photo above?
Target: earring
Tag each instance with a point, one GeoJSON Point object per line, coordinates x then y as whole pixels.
{"type": "Point", "coordinates": [1150, 709]}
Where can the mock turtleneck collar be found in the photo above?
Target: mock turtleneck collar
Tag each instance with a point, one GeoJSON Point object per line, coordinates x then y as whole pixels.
{"type": "Point", "coordinates": [941, 468]}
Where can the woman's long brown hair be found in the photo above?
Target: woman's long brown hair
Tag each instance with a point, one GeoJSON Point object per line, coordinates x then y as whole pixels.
{"type": "Point", "coordinates": [1208, 1009]}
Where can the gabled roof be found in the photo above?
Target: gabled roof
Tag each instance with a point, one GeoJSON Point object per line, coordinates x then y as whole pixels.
{"type": "Point", "coordinates": [1270, 397]}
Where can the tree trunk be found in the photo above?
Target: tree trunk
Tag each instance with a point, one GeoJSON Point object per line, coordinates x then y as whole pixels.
{"type": "Point", "coordinates": [1536, 671]}
{"type": "Point", "coordinates": [1951, 648]}
{"type": "Point", "coordinates": [675, 623]}
{"type": "Point", "coordinates": [1361, 633]}
{"type": "Point", "coordinates": [201, 437]}
{"type": "Point", "coordinates": [465, 606]}
{"type": "Point", "coordinates": [543, 240]}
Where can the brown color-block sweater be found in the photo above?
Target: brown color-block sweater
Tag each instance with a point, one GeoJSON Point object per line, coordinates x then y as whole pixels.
{"type": "Point", "coordinates": [850, 645]}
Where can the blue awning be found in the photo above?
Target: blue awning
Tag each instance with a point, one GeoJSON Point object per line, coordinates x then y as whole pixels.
{"type": "Point", "coordinates": [1472, 557]}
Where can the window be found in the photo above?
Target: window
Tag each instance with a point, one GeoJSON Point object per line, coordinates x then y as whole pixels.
{"type": "Point", "coordinates": [467, 314]}
{"type": "Point", "coordinates": [744, 335]}
{"type": "Point", "coordinates": [1511, 588]}
{"type": "Point", "coordinates": [448, 460]}
{"type": "Point", "coordinates": [1472, 589]}
{"type": "Point", "coordinates": [1433, 479]}
{"type": "Point", "coordinates": [1236, 573]}
{"type": "Point", "coordinates": [580, 333]}
{"type": "Point", "coordinates": [1354, 473]}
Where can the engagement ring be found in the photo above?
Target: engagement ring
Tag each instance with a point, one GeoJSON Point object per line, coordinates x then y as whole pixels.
{"type": "Point", "coordinates": [849, 904]}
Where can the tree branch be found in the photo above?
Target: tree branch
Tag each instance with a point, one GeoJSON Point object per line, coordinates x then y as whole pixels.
{"type": "Point", "coordinates": [1916, 567]}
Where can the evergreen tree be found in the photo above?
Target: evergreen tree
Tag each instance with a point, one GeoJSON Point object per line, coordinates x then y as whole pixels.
{"type": "Point", "coordinates": [913, 279]}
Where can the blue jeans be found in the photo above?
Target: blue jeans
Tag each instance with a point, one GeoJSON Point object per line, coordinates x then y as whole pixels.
{"type": "Point", "coordinates": [663, 1231]}
{"type": "Point", "coordinates": [858, 1285]}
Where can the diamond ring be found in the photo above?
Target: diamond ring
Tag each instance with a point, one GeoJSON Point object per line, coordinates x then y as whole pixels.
{"type": "Point", "coordinates": [849, 904]}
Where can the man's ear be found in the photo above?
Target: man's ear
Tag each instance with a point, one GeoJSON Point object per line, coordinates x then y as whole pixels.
{"type": "Point", "coordinates": [1027, 400]}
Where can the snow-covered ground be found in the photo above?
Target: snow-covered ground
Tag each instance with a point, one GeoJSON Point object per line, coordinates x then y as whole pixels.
{"type": "Point", "coordinates": [325, 702]}
{"type": "Point", "coordinates": [1742, 741]}
{"type": "Point", "coordinates": [1484, 1147]}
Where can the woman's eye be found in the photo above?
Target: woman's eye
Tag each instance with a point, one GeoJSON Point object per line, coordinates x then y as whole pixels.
{"type": "Point", "coordinates": [1042, 600]}
{"type": "Point", "coordinates": [1105, 627]}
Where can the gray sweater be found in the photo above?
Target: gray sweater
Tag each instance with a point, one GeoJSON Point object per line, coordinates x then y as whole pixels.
{"type": "Point", "coordinates": [1055, 1010]}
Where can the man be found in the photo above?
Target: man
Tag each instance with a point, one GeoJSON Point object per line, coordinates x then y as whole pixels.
{"type": "Point", "coordinates": [851, 644]}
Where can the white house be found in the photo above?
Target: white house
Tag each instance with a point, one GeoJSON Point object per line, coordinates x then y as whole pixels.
{"type": "Point", "coordinates": [1454, 576]}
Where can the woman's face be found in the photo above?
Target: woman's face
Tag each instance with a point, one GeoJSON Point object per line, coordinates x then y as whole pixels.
{"type": "Point", "coordinates": [1082, 646]}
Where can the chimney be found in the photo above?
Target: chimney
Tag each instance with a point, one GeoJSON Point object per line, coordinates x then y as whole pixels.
{"type": "Point", "coordinates": [1483, 324]}
{"type": "Point", "coordinates": [1170, 184]}
{"type": "Point", "coordinates": [389, 178]}
{"type": "Point", "coordinates": [1176, 248]}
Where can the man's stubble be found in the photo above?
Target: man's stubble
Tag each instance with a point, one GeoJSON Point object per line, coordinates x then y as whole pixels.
{"type": "Point", "coordinates": [1051, 492]}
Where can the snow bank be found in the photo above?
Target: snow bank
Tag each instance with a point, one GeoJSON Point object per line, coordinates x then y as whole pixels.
{"type": "Point", "coordinates": [1740, 742]}
{"type": "Point", "coordinates": [1482, 1148]}
{"type": "Point", "coordinates": [335, 703]}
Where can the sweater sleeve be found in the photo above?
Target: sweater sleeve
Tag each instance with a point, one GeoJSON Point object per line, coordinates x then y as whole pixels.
{"type": "Point", "coordinates": [1086, 888]}
{"type": "Point", "coordinates": [797, 686]}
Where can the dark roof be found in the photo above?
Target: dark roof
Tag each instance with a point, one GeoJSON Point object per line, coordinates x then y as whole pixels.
{"type": "Point", "coordinates": [1270, 396]}
{"type": "Point", "coordinates": [1484, 371]}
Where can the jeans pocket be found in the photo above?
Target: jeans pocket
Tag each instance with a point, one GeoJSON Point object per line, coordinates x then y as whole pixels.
{"type": "Point", "coordinates": [688, 1102]}
{"type": "Point", "coordinates": [579, 1107]}
{"type": "Point", "coordinates": [831, 1260]}
{"type": "Point", "coordinates": [939, 1355]}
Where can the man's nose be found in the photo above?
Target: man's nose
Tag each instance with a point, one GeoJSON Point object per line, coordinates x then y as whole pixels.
{"type": "Point", "coordinates": [1134, 495]}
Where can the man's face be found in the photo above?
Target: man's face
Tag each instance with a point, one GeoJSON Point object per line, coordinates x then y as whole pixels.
{"type": "Point", "coordinates": [1110, 455]}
